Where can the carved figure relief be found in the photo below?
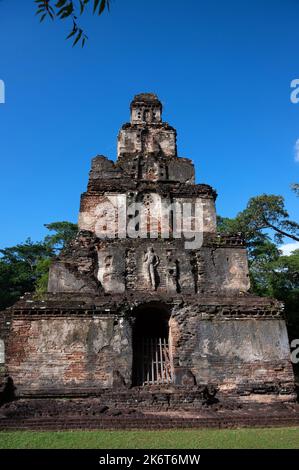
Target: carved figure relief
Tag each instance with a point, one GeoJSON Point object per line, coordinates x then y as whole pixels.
{"type": "Point", "coordinates": [151, 262]}
{"type": "Point", "coordinates": [108, 269]}
{"type": "Point", "coordinates": [172, 274]}
{"type": "Point", "coordinates": [110, 272]}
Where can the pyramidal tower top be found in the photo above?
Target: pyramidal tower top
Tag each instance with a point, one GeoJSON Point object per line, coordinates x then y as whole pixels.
{"type": "Point", "coordinates": [146, 151]}
{"type": "Point", "coordinates": [146, 133]}
{"type": "Point", "coordinates": [146, 108]}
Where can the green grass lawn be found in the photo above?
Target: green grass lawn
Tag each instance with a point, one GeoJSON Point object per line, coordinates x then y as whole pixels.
{"type": "Point", "coordinates": [274, 438]}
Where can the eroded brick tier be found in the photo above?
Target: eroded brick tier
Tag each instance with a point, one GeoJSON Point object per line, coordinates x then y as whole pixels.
{"type": "Point", "coordinates": [109, 297]}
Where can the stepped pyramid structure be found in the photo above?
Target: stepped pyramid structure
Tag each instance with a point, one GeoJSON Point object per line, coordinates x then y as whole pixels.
{"type": "Point", "coordinates": [148, 295]}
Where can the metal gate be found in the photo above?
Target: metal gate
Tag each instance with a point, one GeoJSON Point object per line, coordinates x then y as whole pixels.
{"type": "Point", "coordinates": [154, 362]}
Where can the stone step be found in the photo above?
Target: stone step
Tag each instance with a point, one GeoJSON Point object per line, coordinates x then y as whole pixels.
{"type": "Point", "coordinates": [145, 422]}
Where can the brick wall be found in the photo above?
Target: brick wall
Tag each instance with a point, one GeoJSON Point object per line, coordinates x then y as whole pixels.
{"type": "Point", "coordinates": [67, 353]}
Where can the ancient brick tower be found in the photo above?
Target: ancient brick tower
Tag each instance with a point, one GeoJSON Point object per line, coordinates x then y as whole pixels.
{"type": "Point", "coordinates": [148, 308]}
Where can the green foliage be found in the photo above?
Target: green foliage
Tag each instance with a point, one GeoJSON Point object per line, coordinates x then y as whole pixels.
{"type": "Point", "coordinates": [15, 279]}
{"type": "Point", "coordinates": [18, 270]}
{"type": "Point", "coordinates": [25, 267]}
{"type": "Point", "coordinates": [271, 273]}
{"type": "Point", "coordinates": [263, 216]}
{"type": "Point", "coordinates": [42, 275]}
{"type": "Point", "coordinates": [265, 212]}
{"type": "Point", "coordinates": [285, 286]}
{"type": "Point", "coordinates": [262, 260]}
{"type": "Point", "coordinates": [70, 9]}
{"type": "Point", "coordinates": [254, 238]}
{"type": "Point", "coordinates": [64, 232]}
{"type": "Point", "coordinates": [295, 188]}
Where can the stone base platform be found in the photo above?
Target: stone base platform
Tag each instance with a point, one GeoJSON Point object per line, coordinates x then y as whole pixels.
{"type": "Point", "coordinates": [157, 413]}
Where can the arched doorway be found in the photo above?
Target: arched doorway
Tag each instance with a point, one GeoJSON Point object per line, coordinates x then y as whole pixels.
{"type": "Point", "coordinates": [152, 362]}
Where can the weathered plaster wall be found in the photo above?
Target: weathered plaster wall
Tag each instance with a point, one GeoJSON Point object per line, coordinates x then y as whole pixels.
{"type": "Point", "coordinates": [181, 169]}
{"type": "Point", "coordinates": [111, 270]}
{"type": "Point", "coordinates": [2, 352]}
{"type": "Point", "coordinates": [68, 354]}
{"type": "Point", "coordinates": [159, 138]}
{"type": "Point", "coordinates": [84, 355]}
{"type": "Point", "coordinates": [226, 268]}
{"type": "Point", "coordinates": [113, 267]}
{"type": "Point", "coordinates": [99, 213]}
{"type": "Point", "coordinates": [67, 278]}
{"type": "Point", "coordinates": [237, 355]}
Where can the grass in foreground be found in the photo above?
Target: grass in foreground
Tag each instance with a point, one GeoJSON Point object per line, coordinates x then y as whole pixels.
{"type": "Point", "coordinates": [273, 438]}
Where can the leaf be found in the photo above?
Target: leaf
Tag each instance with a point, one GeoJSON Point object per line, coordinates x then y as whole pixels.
{"type": "Point", "coordinates": [78, 37]}
{"type": "Point", "coordinates": [51, 9]}
{"type": "Point", "coordinates": [104, 4]}
{"type": "Point", "coordinates": [43, 17]}
{"type": "Point", "coordinates": [72, 33]}
{"type": "Point", "coordinates": [65, 11]}
{"type": "Point", "coordinates": [61, 3]}
{"type": "Point", "coordinates": [95, 6]}
{"type": "Point", "coordinates": [102, 7]}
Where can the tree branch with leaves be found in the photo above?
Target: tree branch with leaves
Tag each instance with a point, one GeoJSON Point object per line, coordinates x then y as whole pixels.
{"type": "Point", "coordinates": [264, 213]}
{"type": "Point", "coordinates": [70, 10]}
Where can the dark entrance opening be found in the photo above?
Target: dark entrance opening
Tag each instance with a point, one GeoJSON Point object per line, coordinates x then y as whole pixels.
{"type": "Point", "coordinates": [152, 362]}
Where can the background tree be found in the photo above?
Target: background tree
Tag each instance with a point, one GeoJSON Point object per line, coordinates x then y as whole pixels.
{"type": "Point", "coordinates": [295, 188]}
{"type": "Point", "coordinates": [25, 267]}
{"type": "Point", "coordinates": [284, 285]}
{"type": "Point", "coordinates": [264, 213]}
{"type": "Point", "coordinates": [64, 232]}
{"type": "Point", "coordinates": [265, 223]}
{"type": "Point", "coordinates": [269, 212]}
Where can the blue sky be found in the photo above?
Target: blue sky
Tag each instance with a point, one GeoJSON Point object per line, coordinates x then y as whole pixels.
{"type": "Point", "coordinates": [221, 68]}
